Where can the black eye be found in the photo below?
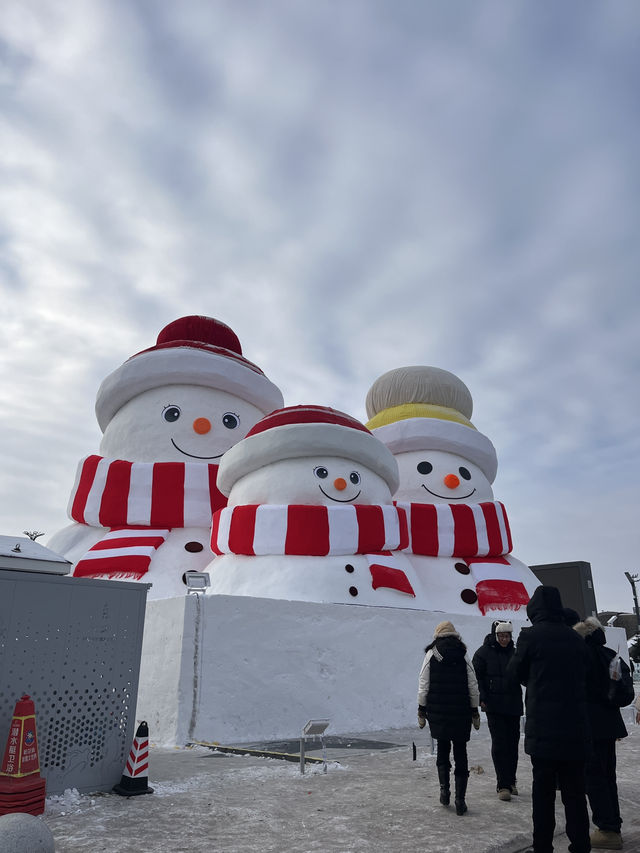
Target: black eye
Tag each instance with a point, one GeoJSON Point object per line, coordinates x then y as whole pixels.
{"type": "Point", "coordinates": [465, 473]}
{"type": "Point", "coordinates": [171, 413]}
{"type": "Point", "coordinates": [425, 467]}
{"type": "Point", "coordinates": [230, 420]}
{"type": "Point", "coordinates": [321, 472]}
{"type": "Point", "coordinates": [354, 477]}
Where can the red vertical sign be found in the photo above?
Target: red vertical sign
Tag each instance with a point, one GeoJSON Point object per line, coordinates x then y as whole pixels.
{"type": "Point", "coordinates": [21, 752]}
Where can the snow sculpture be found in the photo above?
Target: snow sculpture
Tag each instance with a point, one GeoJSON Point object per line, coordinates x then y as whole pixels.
{"type": "Point", "coordinates": [310, 515]}
{"type": "Point", "coordinates": [142, 508]}
{"type": "Point", "coordinates": [460, 542]}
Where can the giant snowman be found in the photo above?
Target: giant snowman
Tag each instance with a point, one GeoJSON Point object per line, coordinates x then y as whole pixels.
{"type": "Point", "coordinates": [142, 509]}
{"type": "Point", "coordinates": [460, 540]}
{"type": "Point", "coordinates": [310, 515]}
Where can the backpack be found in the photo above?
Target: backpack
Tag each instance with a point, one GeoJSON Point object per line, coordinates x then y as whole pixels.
{"type": "Point", "coordinates": [621, 692]}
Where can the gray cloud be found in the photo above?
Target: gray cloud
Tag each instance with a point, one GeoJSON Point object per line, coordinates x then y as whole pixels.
{"type": "Point", "coordinates": [352, 188]}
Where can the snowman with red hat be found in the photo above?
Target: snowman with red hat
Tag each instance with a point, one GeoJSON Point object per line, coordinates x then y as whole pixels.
{"type": "Point", "coordinates": [310, 515]}
{"type": "Point", "coordinates": [460, 540]}
{"type": "Point", "coordinates": [142, 508]}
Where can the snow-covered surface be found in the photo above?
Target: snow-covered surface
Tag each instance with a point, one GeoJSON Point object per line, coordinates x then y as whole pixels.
{"type": "Point", "coordinates": [236, 669]}
{"type": "Point", "coordinates": [25, 554]}
{"type": "Point", "coordinates": [12, 546]}
{"type": "Point", "coordinates": [371, 800]}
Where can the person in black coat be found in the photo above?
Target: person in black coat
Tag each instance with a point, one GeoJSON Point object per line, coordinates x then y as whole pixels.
{"type": "Point", "coordinates": [553, 666]}
{"type": "Point", "coordinates": [448, 700]}
{"type": "Point", "coordinates": [606, 727]}
{"type": "Point", "coordinates": [501, 700]}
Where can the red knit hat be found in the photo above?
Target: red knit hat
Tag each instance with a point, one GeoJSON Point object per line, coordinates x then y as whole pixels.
{"type": "Point", "coordinates": [189, 351]}
{"type": "Point", "coordinates": [301, 431]}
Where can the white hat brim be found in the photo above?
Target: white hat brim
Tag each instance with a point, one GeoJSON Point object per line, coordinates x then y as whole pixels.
{"type": "Point", "coordinates": [296, 441]}
{"type": "Point", "coordinates": [433, 434]}
{"type": "Point", "coordinates": [184, 366]}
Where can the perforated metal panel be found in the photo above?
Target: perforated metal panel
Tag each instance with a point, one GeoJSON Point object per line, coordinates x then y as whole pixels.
{"type": "Point", "coordinates": [74, 646]}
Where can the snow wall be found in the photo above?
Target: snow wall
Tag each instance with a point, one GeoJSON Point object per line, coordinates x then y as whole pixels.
{"type": "Point", "coordinates": [233, 669]}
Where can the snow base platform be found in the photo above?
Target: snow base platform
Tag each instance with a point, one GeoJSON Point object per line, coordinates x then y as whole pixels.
{"type": "Point", "coordinates": [205, 656]}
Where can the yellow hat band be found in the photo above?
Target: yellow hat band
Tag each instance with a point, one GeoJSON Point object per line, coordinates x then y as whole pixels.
{"type": "Point", "coordinates": [417, 410]}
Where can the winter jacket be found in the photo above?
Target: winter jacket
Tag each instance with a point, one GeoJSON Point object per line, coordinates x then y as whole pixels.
{"type": "Point", "coordinates": [552, 666]}
{"type": "Point", "coordinates": [500, 695]}
{"type": "Point", "coordinates": [448, 688]}
{"type": "Point", "coordinates": [605, 718]}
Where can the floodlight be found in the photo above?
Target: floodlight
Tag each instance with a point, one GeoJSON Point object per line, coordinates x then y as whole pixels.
{"type": "Point", "coordinates": [197, 582]}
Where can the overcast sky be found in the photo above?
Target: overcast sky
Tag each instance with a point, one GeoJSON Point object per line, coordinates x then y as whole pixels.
{"type": "Point", "coordinates": [352, 186]}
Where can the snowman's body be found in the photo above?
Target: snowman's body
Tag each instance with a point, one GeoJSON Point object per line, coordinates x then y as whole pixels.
{"type": "Point", "coordinates": [450, 583]}
{"type": "Point", "coordinates": [186, 549]}
{"type": "Point", "coordinates": [187, 424]}
{"type": "Point", "coordinates": [306, 485]}
{"type": "Point", "coordinates": [330, 579]}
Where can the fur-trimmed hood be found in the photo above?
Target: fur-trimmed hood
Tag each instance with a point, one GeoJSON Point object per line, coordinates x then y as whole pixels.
{"type": "Point", "coordinates": [587, 627]}
{"type": "Point", "coordinates": [591, 629]}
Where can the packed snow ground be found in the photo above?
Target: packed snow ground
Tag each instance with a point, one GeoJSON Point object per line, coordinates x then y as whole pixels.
{"type": "Point", "coordinates": [369, 800]}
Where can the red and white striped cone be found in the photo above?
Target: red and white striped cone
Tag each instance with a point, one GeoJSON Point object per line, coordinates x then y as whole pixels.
{"type": "Point", "coordinates": [134, 778]}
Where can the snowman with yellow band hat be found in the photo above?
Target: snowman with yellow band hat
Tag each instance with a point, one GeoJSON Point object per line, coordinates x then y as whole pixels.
{"type": "Point", "coordinates": [460, 541]}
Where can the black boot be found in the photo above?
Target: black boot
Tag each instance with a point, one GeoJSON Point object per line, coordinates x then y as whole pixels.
{"type": "Point", "coordinates": [445, 789]}
{"type": "Point", "coordinates": [461, 790]}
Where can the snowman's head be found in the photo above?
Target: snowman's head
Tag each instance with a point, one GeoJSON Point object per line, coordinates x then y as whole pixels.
{"type": "Point", "coordinates": [435, 476]}
{"type": "Point", "coordinates": [190, 397]}
{"type": "Point", "coordinates": [178, 423]}
{"type": "Point", "coordinates": [313, 480]}
{"type": "Point", "coordinates": [308, 455]}
{"type": "Point", "coordinates": [422, 415]}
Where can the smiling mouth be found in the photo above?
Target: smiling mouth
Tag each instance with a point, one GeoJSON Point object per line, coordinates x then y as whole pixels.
{"type": "Point", "coordinates": [448, 497]}
{"type": "Point", "coordinates": [345, 501]}
{"type": "Point", "coordinates": [193, 455]}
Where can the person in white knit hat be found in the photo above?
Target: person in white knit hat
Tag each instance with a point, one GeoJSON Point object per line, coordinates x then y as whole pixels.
{"type": "Point", "coordinates": [501, 700]}
{"type": "Point", "coordinates": [310, 516]}
{"type": "Point", "coordinates": [460, 540]}
{"type": "Point", "coordinates": [142, 508]}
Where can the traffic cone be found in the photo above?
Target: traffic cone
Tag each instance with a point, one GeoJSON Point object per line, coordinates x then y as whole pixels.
{"type": "Point", "coordinates": [22, 788]}
{"type": "Point", "coordinates": [132, 782]}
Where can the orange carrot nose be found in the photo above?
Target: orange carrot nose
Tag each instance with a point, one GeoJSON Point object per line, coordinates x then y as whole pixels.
{"type": "Point", "coordinates": [202, 425]}
{"type": "Point", "coordinates": [340, 484]}
{"type": "Point", "coordinates": [451, 481]}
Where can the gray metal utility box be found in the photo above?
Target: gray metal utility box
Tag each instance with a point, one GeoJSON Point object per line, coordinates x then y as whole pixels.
{"type": "Point", "coordinates": [574, 582]}
{"type": "Point", "coordinates": [72, 644]}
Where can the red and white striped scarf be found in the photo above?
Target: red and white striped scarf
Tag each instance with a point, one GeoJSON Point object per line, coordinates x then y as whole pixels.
{"type": "Point", "coordinates": [315, 531]}
{"type": "Point", "coordinates": [458, 530]}
{"type": "Point", "coordinates": [141, 502]}
{"type": "Point", "coordinates": [318, 531]}
{"type": "Point", "coordinates": [480, 536]}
